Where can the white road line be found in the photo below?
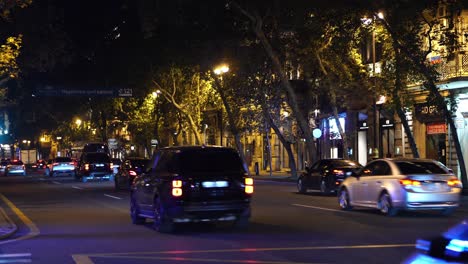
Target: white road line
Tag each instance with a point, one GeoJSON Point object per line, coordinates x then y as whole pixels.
{"type": "Point", "coordinates": [41, 179]}
{"type": "Point", "coordinates": [111, 196]}
{"type": "Point", "coordinates": [318, 208]}
{"type": "Point", "coordinates": [15, 255]}
{"type": "Point", "coordinates": [56, 182]}
{"type": "Point", "coordinates": [78, 188]}
{"type": "Point", "coordinates": [15, 261]}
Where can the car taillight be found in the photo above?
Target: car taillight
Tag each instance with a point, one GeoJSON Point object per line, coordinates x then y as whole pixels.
{"type": "Point", "coordinates": [55, 164]}
{"type": "Point", "coordinates": [111, 165]}
{"type": "Point", "coordinates": [176, 188]}
{"type": "Point", "coordinates": [86, 166]}
{"type": "Point", "coordinates": [72, 163]}
{"type": "Point", "coordinates": [454, 183]}
{"type": "Point", "coordinates": [409, 182]}
{"type": "Point", "coordinates": [249, 189]}
{"type": "Point", "coordinates": [338, 172]}
{"type": "Point", "coordinates": [132, 173]}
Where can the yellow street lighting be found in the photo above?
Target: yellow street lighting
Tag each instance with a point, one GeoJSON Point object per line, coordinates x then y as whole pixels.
{"type": "Point", "coordinates": [221, 69]}
{"type": "Point", "coordinates": [78, 122]}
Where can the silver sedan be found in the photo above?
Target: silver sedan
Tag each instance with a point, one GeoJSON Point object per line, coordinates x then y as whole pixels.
{"type": "Point", "coordinates": [391, 185]}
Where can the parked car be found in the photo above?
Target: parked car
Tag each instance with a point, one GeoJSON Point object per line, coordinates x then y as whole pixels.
{"type": "Point", "coordinates": [129, 169]}
{"type": "Point", "coordinates": [3, 165]}
{"type": "Point", "coordinates": [326, 175]}
{"type": "Point", "coordinates": [391, 185]}
{"type": "Point", "coordinates": [15, 167]}
{"type": "Point", "coordinates": [192, 184]}
{"type": "Point", "coordinates": [60, 165]}
{"type": "Point", "coordinates": [116, 165]}
{"type": "Point", "coordinates": [94, 165]}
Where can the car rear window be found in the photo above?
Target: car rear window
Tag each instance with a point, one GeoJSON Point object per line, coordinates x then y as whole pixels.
{"type": "Point", "coordinates": [16, 162]}
{"type": "Point", "coordinates": [210, 162]}
{"type": "Point", "coordinates": [97, 157]}
{"type": "Point", "coordinates": [63, 159]}
{"type": "Point", "coordinates": [141, 163]}
{"type": "Point", "coordinates": [411, 167]}
{"type": "Point", "coordinates": [344, 163]}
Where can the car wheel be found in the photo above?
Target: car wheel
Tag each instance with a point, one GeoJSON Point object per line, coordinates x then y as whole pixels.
{"type": "Point", "coordinates": [162, 223]}
{"type": "Point", "coordinates": [385, 205]}
{"type": "Point", "coordinates": [323, 188]}
{"type": "Point", "coordinates": [134, 213]}
{"type": "Point", "coordinates": [343, 199]}
{"type": "Point", "coordinates": [301, 188]}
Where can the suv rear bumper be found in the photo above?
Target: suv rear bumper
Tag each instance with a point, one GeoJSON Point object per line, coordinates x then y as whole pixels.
{"type": "Point", "coordinates": [200, 212]}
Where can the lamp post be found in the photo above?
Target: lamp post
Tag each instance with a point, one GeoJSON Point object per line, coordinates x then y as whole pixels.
{"type": "Point", "coordinates": [220, 70]}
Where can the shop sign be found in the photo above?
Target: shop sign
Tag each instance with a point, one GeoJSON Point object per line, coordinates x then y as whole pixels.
{"type": "Point", "coordinates": [386, 123]}
{"type": "Point", "coordinates": [428, 113]}
{"type": "Point", "coordinates": [433, 129]}
{"type": "Point", "coordinates": [363, 125]}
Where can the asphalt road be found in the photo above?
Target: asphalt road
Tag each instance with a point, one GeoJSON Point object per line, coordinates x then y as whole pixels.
{"type": "Point", "coordinates": [63, 221]}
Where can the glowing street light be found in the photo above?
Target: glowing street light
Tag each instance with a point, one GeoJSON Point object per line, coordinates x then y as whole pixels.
{"type": "Point", "coordinates": [155, 94]}
{"type": "Point", "coordinates": [78, 122]}
{"type": "Point", "coordinates": [221, 69]}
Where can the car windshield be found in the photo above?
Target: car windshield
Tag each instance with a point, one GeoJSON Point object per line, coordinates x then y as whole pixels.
{"type": "Point", "coordinates": [419, 167]}
{"type": "Point", "coordinates": [210, 161]}
{"type": "Point", "coordinates": [63, 159]}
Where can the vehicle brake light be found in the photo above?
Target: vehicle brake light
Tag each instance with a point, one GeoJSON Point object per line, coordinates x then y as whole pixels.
{"type": "Point", "coordinates": [132, 173]}
{"type": "Point", "coordinates": [176, 188]}
{"type": "Point", "coordinates": [111, 165]}
{"type": "Point", "coordinates": [55, 164]}
{"type": "Point", "coordinates": [454, 183]}
{"type": "Point", "coordinates": [249, 189]}
{"type": "Point", "coordinates": [86, 166]}
{"type": "Point", "coordinates": [72, 163]}
{"type": "Point", "coordinates": [409, 182]}
{"type": "Point", "coordinates": [338, 172]}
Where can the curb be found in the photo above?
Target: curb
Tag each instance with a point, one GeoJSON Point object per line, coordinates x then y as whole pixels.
{"type": "Point", "coordinates": [7, 226]}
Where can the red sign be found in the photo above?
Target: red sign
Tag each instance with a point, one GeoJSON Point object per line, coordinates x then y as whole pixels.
{"type": "Point", "coordinates": [436, 129]}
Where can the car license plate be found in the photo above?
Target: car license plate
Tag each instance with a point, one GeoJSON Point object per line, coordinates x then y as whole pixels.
{"type": "Point", "coordinates": [99, 165]}
{"type": "Point", "coordinates": [215, 184]}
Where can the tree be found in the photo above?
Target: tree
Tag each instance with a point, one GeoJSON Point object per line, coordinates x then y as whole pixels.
{"type": "Point", "coordinates": [180, 86]}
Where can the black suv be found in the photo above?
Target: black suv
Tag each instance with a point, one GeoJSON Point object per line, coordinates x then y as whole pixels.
{"type": "Point", "coordinates": [94, 165]}
{"type": "Point", "coordinates": [192, 184]}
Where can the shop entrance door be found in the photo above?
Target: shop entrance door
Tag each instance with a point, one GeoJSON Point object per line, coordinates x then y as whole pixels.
{"type": "Point", "coordinates": [435, 147]}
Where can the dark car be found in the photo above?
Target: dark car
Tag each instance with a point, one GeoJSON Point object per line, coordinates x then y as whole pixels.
{"type": "Point", "coordinates": [129, 169]}
{"type": "Point", "coordinates": [3, 165]}
{"type": "Point", "coordinates": [40, 164]}
{"type": "Point", "coordinates": [192, 184]}
{"type": "Point", "coordinates": [94, 165]}
{"type": "Point", "coordinates": [326, 175]}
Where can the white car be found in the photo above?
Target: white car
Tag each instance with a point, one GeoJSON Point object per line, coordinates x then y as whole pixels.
{"type": "Point", "coordinates": [391, 185]}
{"type": "Point", "coordinates": [60, 165]}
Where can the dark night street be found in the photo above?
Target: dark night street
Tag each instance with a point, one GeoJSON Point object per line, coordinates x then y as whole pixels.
{"type": "Point", "coordinates": [63, 221]}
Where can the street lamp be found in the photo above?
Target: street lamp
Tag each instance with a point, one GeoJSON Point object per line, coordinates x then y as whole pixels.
{"type": "Point", "coordinates": [78, 122]}
{"type": "Point", "coordinates": [368, 21]}
{"type": "Point", "coordinates": [219, 70]}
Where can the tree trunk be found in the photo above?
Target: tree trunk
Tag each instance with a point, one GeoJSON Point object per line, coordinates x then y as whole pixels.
{"type": "Point", "coordinates": [344, 138]}
{"type": "Point", "coordinates": [432, 87]}
{"type": "Point", "coordinates": [257, 25]}
{"type": "Point", "coordinates": [267, 134]}
{"type": "Point", "coordinates": [286, 144]}
{"type": "Point", "coordinates": [399, 108]}
{"type": "Point", "coordinates": [232, 124]}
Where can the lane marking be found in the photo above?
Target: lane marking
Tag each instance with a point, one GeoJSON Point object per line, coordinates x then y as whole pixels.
{"type": "Point", "coordinates": [15, 255]}
{"type": "Point", "coordinates": [33, 230]}
{"type": "Point", "coordinates": [56, 182]}
{"type": "Point", "coordinates": [82, 259]}
{"type": "Point", "coordinates": [111, 196]}
{"type": "Point", "coordinates": [319, 208]}
{"type": "Point", "coordinates": [15, 261]}
{"type": "Point", "coordinates": [78, 188]}
{"type": "Point", "coordinates": [239, 250]}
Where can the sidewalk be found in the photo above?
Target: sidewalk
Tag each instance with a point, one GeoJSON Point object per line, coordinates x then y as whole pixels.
{"type": "Point", "coordinates": [275, 176]}
{"type": "Point", "coordinates": [7, 226]}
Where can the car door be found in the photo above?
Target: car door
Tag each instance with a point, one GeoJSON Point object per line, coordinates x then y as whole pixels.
{"type": "Point", "coordinates": [375, 182]}
{"type": "Point", "coordinates": [315, 176]}
{"type": "Point", "coordinates": [359, 186]}
{"type": "Point", "coordinates": [160, 169]}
